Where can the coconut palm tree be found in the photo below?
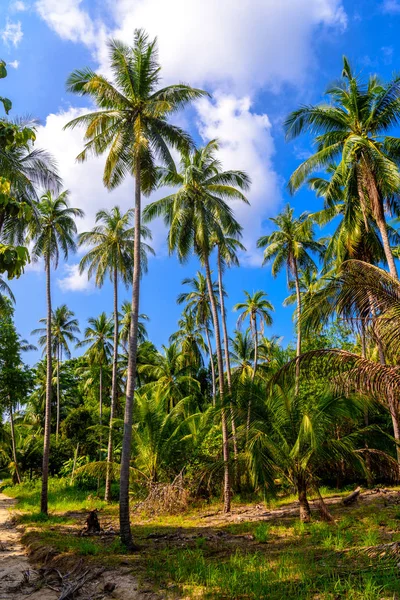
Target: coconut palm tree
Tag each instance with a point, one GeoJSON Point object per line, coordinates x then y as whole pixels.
{"type": "Point", "coordinates": [98, 338]}
{"type": "Point", "coordinates": [131, 124]}
{"type": "Point", "coordinates": [290, 246]}
{"type": "Point", "coordinates": [353, 127]}
{"type": "Point", "coordinates": [63, 329]}
{"type": "Point", "coordinates": [170, 375]}
{"type": "Point", "coordinates": [51, 233]}
{"type": "Point", "coordinates": [190, 339]}
{"type": "Point", "coordinates": [227, 257]}
{"type": "Point", "coordinates": [369, 299]}
{"type": "Point", "coordinates": [256, 307]}
{"type": "Point", "coordinates": [294, 436]}
{"type": "Point", "coordinates": [111, 253]}
{"type": "Point", "coordinates": [198, 303]}
{"type": "Point", "coordinates": [126, 317]}
{"type": "Point", "coordinates": [198, 216]}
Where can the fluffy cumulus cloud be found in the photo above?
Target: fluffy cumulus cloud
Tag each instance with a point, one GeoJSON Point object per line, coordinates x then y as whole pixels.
{"type": "Point", "coordinates": [73, 281]}
{"type": "Point", "coordinates": [12, 33]}
{"type": "Point", "coordinates": [233, 48]}
{"type": "Point", "coordinates": [246, 143]}
{"type": "Point", "coordinates": [70, 21]}
{"type": "Point", "coordinates": [18, 6]}
{"type": "Point", "coordinates": [246, 44]}
{"type": "Point", "coordinates": [84, 181]}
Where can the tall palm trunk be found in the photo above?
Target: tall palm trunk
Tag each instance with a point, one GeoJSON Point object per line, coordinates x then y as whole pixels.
{"type": "Point", "coordinates": [214, 386]}
{"type": "Point", "coordinates": [47, 417]}
{"type": "Point", "coordinates": [298, 346]}
{"type": "Point", "coordinates": [225, 440]}
{"type": "Point", "coordinates": [253, 374]}
{"type": "Point", "coordinates": [100, 418]}
{"type": "Point", "coordinates": [124, 518]}
{"type": "Point", "coordinates": [366, 415]}
{"type": "Point", "coordinates": [379, 216]}
{"type": "Point", "coordinates": [107, 495]}
{"type": "Point", "coordinates": [228, 363]}
{"type": "Point", "coordinates": [58, 391]}
{"type": "Point", "coordinates": [13, 443]}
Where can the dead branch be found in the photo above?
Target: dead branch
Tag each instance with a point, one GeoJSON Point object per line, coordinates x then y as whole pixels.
{"type": "Point", "coordinates": [353, 497]}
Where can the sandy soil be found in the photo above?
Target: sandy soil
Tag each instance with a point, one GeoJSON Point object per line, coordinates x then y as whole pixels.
{"type": "Point", "coordinates": [14, 565]}
{"type": "Point", "coordinates": [18, 580]}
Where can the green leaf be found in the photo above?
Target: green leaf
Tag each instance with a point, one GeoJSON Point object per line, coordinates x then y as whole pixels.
{"type": "Point", "coordinates": [6, 103]}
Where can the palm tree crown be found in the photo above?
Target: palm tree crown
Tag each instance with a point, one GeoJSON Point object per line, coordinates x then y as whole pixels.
{"type": "Point", "coordinates": [111, 244]}
{"type": "Point", "coordinates": [55, 228]}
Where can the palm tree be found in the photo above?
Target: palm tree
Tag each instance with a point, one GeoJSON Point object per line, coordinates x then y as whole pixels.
{"type": "Point", "coordinates": [198, 216]}
{"type": "Point", "coordinates": [63, 329]}
{"type": "Point", "coordinates": [131, 124]}
{"type": "Point", "coordinates": [363, 294]}
{"type": "Point", "coordinates": [255, 307]}
{"type": "Point", "coordinates": [98, 337]}
{"type": "Point", "coordinates": [353, 127]}
{"type": "Point", "coordinates": [294, 437]}
{"type": "Point", "coordinates": [53, 231]}
{"type": "Point", "coordinates": [111, 253]}
{"type": "Point", "coordinates": [191, 342]}
{"type": "Point", "coordinates": [198, 303]}
{"type": "Point", "coordinates": [227, 257]}
{"type": "Point", "coordinates": [290, 246]}
{"type": "Point", "coordinates": [170, 375]}
{"type": "Point", "coordinates": [126, 317]}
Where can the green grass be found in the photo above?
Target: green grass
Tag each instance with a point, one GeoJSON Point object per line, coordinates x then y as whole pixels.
{"type": "Point", "coordinates": [275, 559]}
{"type": "Point", "coordinates": [62, 496]}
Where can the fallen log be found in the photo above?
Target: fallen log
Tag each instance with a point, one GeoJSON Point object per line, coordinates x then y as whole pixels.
{"type": "Point", "coordinates": [353, 497]}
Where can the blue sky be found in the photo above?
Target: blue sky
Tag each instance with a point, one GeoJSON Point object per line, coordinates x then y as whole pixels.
{"type": "Point", "coordinates": [259, 59]}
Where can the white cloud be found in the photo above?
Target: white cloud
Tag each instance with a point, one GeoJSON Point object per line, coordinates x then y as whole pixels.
{"type": "Point", "coordinates": [70, 22]}
{"type": "Point", "coordinates": [236, 47]}
{"type": "Point", "coordinates": [12, 33]}
{"type": "Point", "coordinates": [391, 7]}
{"type": "Point", "coordinates": [246, 144]}
{"type": "Point", "coordinates": [14, 64]}
{"type": "Point", "coordinates": [243, 44]}
{"type": "Point", "coordinates": [73, 281]}
{"type": "Point", "coordinates": [85, 181]}
{"type": "Point", "coordinates": [18, 6]}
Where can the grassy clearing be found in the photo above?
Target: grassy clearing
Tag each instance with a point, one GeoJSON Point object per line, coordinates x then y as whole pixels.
{"type": "Point", "coordinates": [195, 558]}
{"type": "Point", "coordinates": [62, 496]}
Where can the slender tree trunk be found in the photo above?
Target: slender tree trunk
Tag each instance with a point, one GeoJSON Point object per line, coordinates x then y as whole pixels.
{"type": "Point", "coordinates": [114, 390]}
{"type": "Point", "coordinates": [228, 366]}
{"type": "Point", "coordinates": [58, 392]}
{"type": "Point", "coordinates": [305, 512]}
{"type": "Point", "coordinates": [124, 517]}
{"type": "Point", "coordinates": [47, 417]}
{"type": "Point", "coordinates": [214, 386]}
{"type": "Point", "coordinates": [74, 464]}
{"type": "Point", "coordinates": [298, 347]}
{"type": "Point", "coordinates": [13, 443]}
{"type": "Point", "coordinates": [366, 416]}
{"type": "Point", "coordinates": [252, 376]}
{"type": "Point", "coordinates": [100, 421]}
{"type": "Point", "coordinates": [379, 216]}
{"type": "Point", "coordinates": [225, 440]}
{"type": "Point", "coordinates": [323, 508]}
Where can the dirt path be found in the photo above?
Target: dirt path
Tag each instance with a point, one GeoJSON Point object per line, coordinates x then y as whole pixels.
{"type": "Point", "coordinates": [14, 562]}
{"type": "Point", "coordinates": [18, 581]}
